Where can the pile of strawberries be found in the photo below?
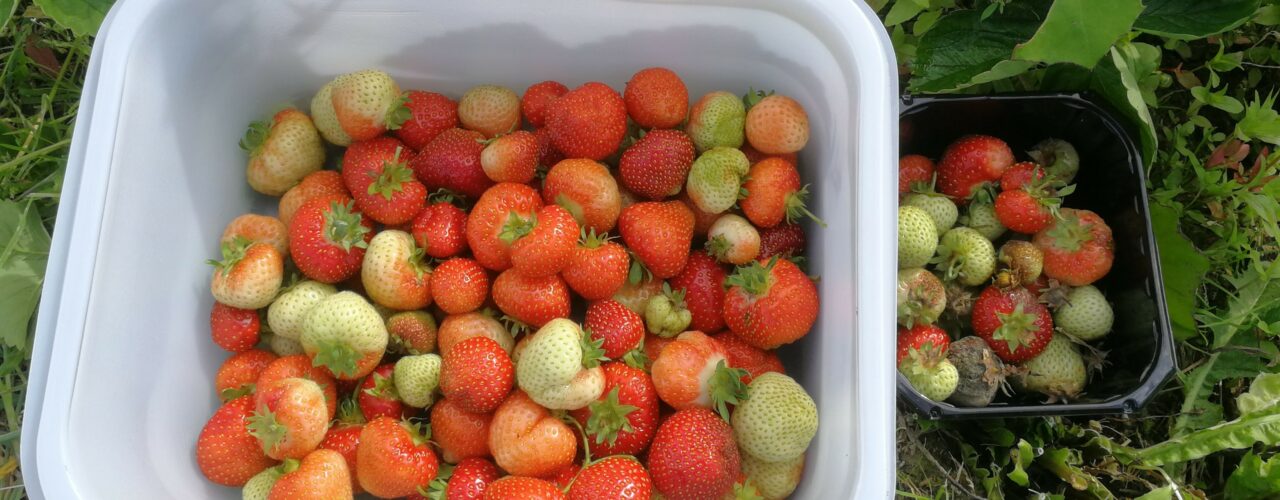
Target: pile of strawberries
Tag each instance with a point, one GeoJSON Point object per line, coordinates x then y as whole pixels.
{"type": "Point", "coordinates": [447, 314]}
{"type": "Point", "coordinates": [1036, 307]}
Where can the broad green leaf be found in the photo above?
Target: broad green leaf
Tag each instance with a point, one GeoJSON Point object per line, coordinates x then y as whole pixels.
{"type": "Point", "coordinates": [82, 16]}
{"type": "Point", "coordinates": [1260, 121]}
{"type": "Point", "coordinates": [1218, 99]}
{"type": "Point", "coordinates": [876, 5]}
{"type": "Point", "coordinates": [901, 12]}
{"type": "Point", "coordinates": [1268, 15]}
{"type": "Point", "coordinates": [1163, 493]}
{"type": "Point", "coordinates": [22, 259]}
{"type": "Point", "coordinates": [1182, 267]}
{"type": "Point", "coordinates": [961, 50]}
{"type": "Point", "coordinates": [7, 7]}
{"type": "Point", "coordinates": [1191, 19]}
{"type": "Point", "coordinates": [1079, 31]}
{"type": "Point", "coordinates": [1261, 425]}
{"type": "Point", "coordinates": [1220, 366]}
{"type": "Point", "coordinates": [1116, 79]}
{"type": "Point", "coordinates": [1064, 463]}
{"type": "Point", "coordinates": [1254, 479]}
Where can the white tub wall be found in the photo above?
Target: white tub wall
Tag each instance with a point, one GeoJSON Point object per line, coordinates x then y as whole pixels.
{"type": "Point", "coordinates": [195, 73]}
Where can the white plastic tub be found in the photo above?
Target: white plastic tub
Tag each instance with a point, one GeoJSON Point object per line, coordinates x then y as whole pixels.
{"type": "Point", "coordinates": [123, 366]}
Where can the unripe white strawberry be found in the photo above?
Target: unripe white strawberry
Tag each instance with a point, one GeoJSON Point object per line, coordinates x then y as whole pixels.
{"type": "Point", "coordinates": [941, 209]}
{"type": "Point", "coordinates": [715, 179]}
{"type": "Point", "coordinates": [345, 334]}
{"type": "Point", "coordinates": [249, 274]}
{"type": "Point", "coordinates": [393, 272]}
{"type": "Point", "coordinates": [283, 346]}
{"type": "Point", "coordinates": [1086, 315]}
{"type": "Point", "coordinates": [282, 151]}
{"type": "Point", "coordinates": [416, 379]}
{"type": "Point", "coordinates": [286, 313]}
{"type": "Point", "coordinates": [732, 239]}
{"type": "Point", "coordinates": [559, 366]}
{"type": "Point", "coordinates": [773, 480]}
{"type": "Point", "coordinates": [1058, 372]}
{"type": "Point", "coordinates": [259, 486]}
{"type": "Point", "coordinates": [917, 237]}
{"type": "Point", "coordinates": [778, 419]}
{"type": "Point", "coordinates": [325, 119]}
{"type": "Point", "coordinates": [965, 256]}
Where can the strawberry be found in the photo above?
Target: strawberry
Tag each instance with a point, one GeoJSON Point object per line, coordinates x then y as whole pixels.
{"type": "Point", "coordinates": [564, 477]}
{"type": "Point", "coordinates": [462, 435]}
{"type": "Point", "coordinates": [320, 474]}
{"type": "Point", "coordinates": [656, 166]}
{"type": "Point", "coordinates": [394, 275]}
{"type": "Point", "coordinates": [970, 163]}
{"type": "Point", "coordinates": [345, 439]}
{"type": "Point", "coordinates": [548, 155]}
{"type": "Point", "coordinates": [288, 310]}
{"type": "Point", "coordinates": [598, 266]}
{"type": "Point", "coordinates": [656, 98]}
{"type": "Point", "coordinates": [477, 375]}
{"type": "Point", "coordinates": [429, 114]}
{"type": "Point", "coordinates": [324, 182]}
{"type": "Point", "coordinates": [394, 458]}
{"type": "Point", "coordinates": [522, 488]}
{"type": "Point", "coordinates": [635, 295]}
{"type": "Point", "coordinates": [238, 373]}
{"type": "Point", "coordinates": [511, 158]}
{"type": "Point", "coordinates": [666, 315]}
{"type": "Point", "coordinates": [258, 229]}
{"type": "Point", "coordinates": [587, 122]}
{"type": "Point", "coordinates": [922, 360]}
{"type": "Point", "coordinates": [702, 281]}
{"type": "Point", "coordinates": [235, 330]}
{"type": "Point", "coordinates": [440, 229]}
{"type": "Point", "coordinates": [533, 301]}
{"type": "Point", "coordinates": [917, 237]}
{"type": "Point", "coordinates": [965, 256]}
{"type": "Point", "coordinates": [921, 297]}
{"type": "Point", "coordinates": [452, 161]}
{"type": "Point", "coordinates": [1058, 372]}
{"type": "Point", "coordinates": [941, 209]}
{"type": "Point", "coordinates": [470, 478]}
{"type": "Point", "coordinates": [773, 480]}
{"type": "Point", "coordinates": [733, 240]}
{"type": "Point", "coordinates": [617, 328]}
{"type": "Point", "coordinates": [1024, 261]}
{"type": "Point", "coordinates": [659, 234]}
{"type": "Point", "coordinates": [299, 366]}
{"type": "Point", "coordinates": [281, 151]}
{"type": "Point", "coordinates": [284, 346]}
{"type": "Point", "coordinates": [612, 477]}
{"type": "Point", "coordinates": [715, 180]}
{"type": "Point", "coordinates": [1013, 322]}
{"type": "Point", "coordinates": [778, 419]}
{"type": "Point", "coordinates": [491, 110]}
{"type": "Point", "coordinates": [328, 237]}
{"type": "Point", "coordinates": [417, 377]}
{"type": "Point", "coordinates": [692, 372]}
{"type": "Point", "coordinates": [1078, 248]}
{"type": "Point", "coordinates": [754, 156]}
{"type": "Point", "coordinates": [377, 395]}
{"type": "Point", "coordinates": [702, 221]}
{"type": "Point", "coordinates": [536, 99]}
{"type": "Point", "coordinates": [770, 304]}
{"type": "Point", "coordinates": [248, 276]}
{"type": "Point", "coordinates": [717, 120]}
{"type": "Point", "coordinates": [489, 216]}
{"type": "Point", "coordinates": [376, 173]}
{"type": "Point", "coordinates": [982, 218]}
{"type": "Point", "coordinates": [587, 190]}
{"type": "Point", "coordinates": [782, 240]}
{"type": "Point", "coordinates": [1059, 158]}
{"type": "Point", "coordinates": [412, 332]}
{"type": "Point", "coordinates": [226, 452]}
{"type": "Point", "coordinates": [916, 338]}
{"type": "Point", "coordinates": [325, 118]}
{"type": "Point", "coordinates": [528, 440]}
{"type": "Point", "coordinates": [560, 366]}
{"type": "Point", "coordinates": [652, 347]}
{"type": "Point", "coordinates": [458, 327]}
{"type": "Point", "coordinates": [366, 104]}
{"type": "Point", "coordinates": [752, 360]}
{"type": "Point", "coordinates": [775, 124]}
{"type": "Point", "coordinates": [774, 194]}
{"type": "Point", "coordinates": [1086, 315]}
{"type": "Point", "coordinates": [542, 244]}
{"type": "Point", "coordinates": [913, 170]}
{"type": "Point", "coordinates": [1020, 174]}
{"type": "Point", "coordinates": [259, 486]}
{"type": "Point", "coordinates": [623, 420]}
{"type": "Point", "coordinates": [344, 334]}
{"type": "Point", "coordinates": [693, 456]}
{"type": "Point", "coordinates": [289, 418]}
{"type": "Point", "coordinates": [1023, 212]}
{"type": "Point", "coordinates": [459, 285]}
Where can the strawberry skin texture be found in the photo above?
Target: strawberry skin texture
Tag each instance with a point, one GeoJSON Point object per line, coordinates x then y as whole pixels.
{"type": "Point", "coordinates": [248, 276]}
{"type": "Point", "coordinates": [440, 230]}
{"type": "Point", "coordinates": [1020, 174]}
{"type": "Point", "coordinates": [225, 451]}
{"type": "Point", "coordinates": [986, 320]}
{"type": "Point", "coordinates": [780, 311]}
{"type": "Point", "coordinates": [694, 456]}
{"type": "Point", "coordinates": [393, 462]}
{"type": "Point", "coordinates": [492, 110]}
{"type": "Point", "coordinates": [523, 488]}
{"type": "Point", "coordinates": [291, 149]}
{"type": "Point", "coordinates": [490, 214]}
{"type": "Point", "coordinates": [362, 100]}
{"type": "Point", "coordinates": [657, 165]}
{"type": "Point", "coordinates": [612, 477]}
{"type": "Point", "coordinates": [299, 365]}
{"type": "Point", "coordinates": [528, 440]}
{"type": "Point", "coordinates": [1019, 211]}
{"type": "Point", "coordinates": [321, 474]}
{"type": "Point", "coordinates": [656, 98]}
{"type": "Point", "coordinates": [587, 190]}
{"type": "Point", "coordinates": [259, 229]}
{"type": "Point", "coordinates": [534, 102]}
{"type": "Point", "coordinates": [459, 285]}
{"type": "Point", "coordinates": [702, 280]}
{"type": "Point", "coordinates": [916, 337]}
{"type": "Point", "coordinates": [235, 330]}
{"type": "Point", "coordinates": [597, 273]}
{"type": "Point", "coordinates": [378, 193]}
{"type": "Point", "coordinates": [777, 125]}
{"type": "Point", "coordinates": [548, 246]}
{"type": "Point", "coordinates": [768, 185]}
{"type": "Point", "coordinates": [376, 394]}
{"type": "Point", "coordinates": [782, 240]}
{"type": "Point", "coordinates": [619, 329]}
{"type": "Point", "coordinates": [1078, 249]}
{"type": "Point", "coordinates": [634, 389]}
{"type": "Point", "coordinates": [913, 169]}
{"type": "Point", "coordinates": [533, 301]}
{"type": "Point", "coordinates": [429, 114]}
{"type": "Point", "coordinates": [393, 273]}
{"type": "Point", "coordinates": [742, 355]}
{"type": "Point", "coordinates": [459, 327]}
{"type": "Point", "coordinates": [470, 478]}
{"type": "Point", "coordinates": [969, 162]}
{"type": "Point", "coordinates": [298, 406]}
{"type": "Point", "coordinates": [477, 375]}
{"type": "Point", "coordinates": [462, 435]}
{"type": "Point", "coordinates": [345, 439]}
{"type": "Point", "coordinates": [318, 257]}
{"type": "Point", "coordinates": [659, 233]}
{"type": "Point", "coordinates": [511, 158]}
{"type": "Point", "coordinates": [324, 182]}
{"type": "Point", "coordinates": [588, 122]}
{"type": "Point", "coordinates": [452, 161]}
{"type": "Point", "coordinates": [240, 371]}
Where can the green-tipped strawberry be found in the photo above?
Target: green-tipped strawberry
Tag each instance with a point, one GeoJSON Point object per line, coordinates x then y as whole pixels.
{"type": "Point", "coordinates": [917, 237]}
{"type": "Point", "coordinates": [941, 209]}
{"type": "Point", "coordinates": [925, 365]}
{"type": "Point", "coordinates": [778, 419]}
{"type": "Point", "coordinates": [718, 119]}
{"type": "Point", "coordinates": [1013, 322]}
{"type": "Point", "coordinates": [282, 151]}
{"type": "Point", "coordinates": [491, 110]}
{"type": "Point", "coordinates": [366, 104]}
{"type": "Point", "coordinates": [344, 334]}
{"type": "Point", "coordinates": [715, 180]}
{"type": "Point", "coordinates": [287, 312]}
{"type": "Point", "coordinates": [982, 218]}
{"type": "Point", "coordinates": [921, 297]}
{"type": "Point", "coordinates": [1086, 315]}
{"type": "Point", "coordinates": [965, 256]}
{"type": "Point", "coordinates": [290, 418]}
{"type": "Point", "coordinates": [692, 372]}
{"type": "Point", "coordinates": [560, 366]}
{"type": "Point", "coordinates": [249, 274]}
{"type": "Point", "coordinates": [1059, 158]}
{"type": "Point", "coordinates": [666, 314]}
{"type": "Point", "coordinates": [394, 274]}
{"type": "Point", "coordinates": [733, 240]}
{"type": "Point", "coordinates": [417, 378]}
{"type": "Point", "coordinates": [1058, 372]}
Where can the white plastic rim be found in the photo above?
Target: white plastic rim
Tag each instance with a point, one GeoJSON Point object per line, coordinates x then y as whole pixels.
{"type": "Point", "coordinates": [122, 366]}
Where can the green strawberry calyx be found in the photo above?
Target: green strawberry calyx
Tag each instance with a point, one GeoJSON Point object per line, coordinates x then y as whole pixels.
{"type": "Point", "coordinates": [755, 278]}
{"type": "Point", "coordinates": [255, 136]}
{"type": "Point", "coordinates": [1016, 328]}
{"type": "Point", "coordinates": [392, 178]}
{"type": "Point", "coordinates": [438, 486]}
{"type": "Point", "coordinates": [609, 418]}
{"type": "Point", "coordinates": [746, 490]}
{"type": "Point", "coordinates": [383, 387]}
{"type": "Point", "coordinates": [339, 357]}
{"type": "Point", "coordinates": [398, 113]}
{"type": "Point", "coordinates": [636, 358]}
{"type": "Point", "coordinates": [264, 425]}
{"type": "Point", "coordinates": [289, 465]}
{"type": "Point", "coordinates": [1070, 234]}
{"type": "Point", "coordinates": [343, 228]}
{"type": "Point", "coordinates": [589, 239]}
{"type": "Point", "coordinates": [727, 388]}
{"type": "Point", "coordinates": [233, 252]}
{"type": "Point", "coordinates": [349, 411]}
{"type": "Point", "coordinates": [753, 97]}
{"type": "Point", "coordinates": [231, 393]}
{"type": "Point", "coordinates": [443, 195]}
{"type": "Point", "coordinates": [795, 206]}
{"type": "Point", "coordinates": [418, 261]}
{"type": "Point", "coordinates": [666, 314]}
{"type": "Point", "coordinates": [719, 246]}
{"type": "Point", "coordinates": [419, 430]}
{"type": "Point", "coordinates": [517, 227]}
{"type": "Point", "coordinates": [592, 352]}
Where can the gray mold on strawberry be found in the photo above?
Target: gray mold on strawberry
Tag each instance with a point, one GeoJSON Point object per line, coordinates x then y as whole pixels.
{"type": "Point", "coordinates": [981, 372]}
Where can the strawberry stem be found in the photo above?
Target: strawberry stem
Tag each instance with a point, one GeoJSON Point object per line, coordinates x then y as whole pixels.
{"type": "Point", "coordinates": [255, 137]}
{"type": "Point", "coordinates": [392, 178]}
{"type": "Point", "coordinates": [269, 431]}
{"type": "Point", "coordinates": [795, 206]}
{"type": "Point", "coordinates": [343, 228]}
{"type": "Point", "coordinates": [609, 418]}
{"type": "Point", "coordinates": [517, 227]}
{"type": "Point", "coordinates": [398, 113]}
{"type": "Point", "coordinates": [337, 356]}
{"type": "Point", "coordinates": [727, 388]}
{"type": "Point", "coordinates": [232, 253]}
{"type": "Point", "coordinates": [1015, 328]}
{"type": "Point", "coordinates": [592, 353]}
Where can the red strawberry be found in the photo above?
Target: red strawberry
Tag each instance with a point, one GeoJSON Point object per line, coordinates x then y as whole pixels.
{"type": "Point", "coordinates": [598, 267]}
{"type": "Point", "coordinates": [1024, 212]}
{"type": "Point", "coordinates": [470, 478]}
{"type": "Point", "coordinates": [548, 155]}
{"type": "Point", "coordinates": [522, 488]}
{"type": "Point", "coordinates": [918, 337]}
{"type": "Point", "coordinates": [702, 221]}
{"type": "Point", "coordinates": [533, 301]}
{"type": "Point", "coordinates": [377, 395]}
{"type": "Point", "coordinates": [235, 330]}
{"type": "Point", "coordinates": [543, 244]}
{"type": "Point", "coordinates": [511, 158]}
{"type": "Point", "coordinates": [782, 240]}
{"type": "Point", "coordinates": [429, 114]}
{"type": "Point", "coordinates": [1016, 325]}
{"type": "Point", "coordinates": [314, 184]}
{"type": "Point", "coordinates": [742, 355]}
{"type": "Point", "coordinates": [461, 435]}
{"type": "Point", "coordinates": [328, 237]}
{"type": "Point", "coordinates": [694, 456]}
{"type": "Point", "coordinates": [248, 276]}
{"type": "Point", "coordinates": [459, 327]}
{"type": "Point", "coordinates": [775, 124]}
{"type": "Point", "coordinates": [1020, 174]}
{"type": "Point", "coordinates": [367, 103]}
{"type": "Point", "coordinates": [225, 451]}
{"type": "Point", "coordinates": [770, 304]}
{"type": "Point", "coordinates": [774, 194]}
{"type": "Point", "coordinates": [488, 217]}
{"type": "Point", "coordinates": [566, 476]}
{"type": "Point", "coordinates": [452, 161]}
{"type": "Point", "coordinates": [376, 173]}
{"type": "Point", "coordinates": [913, 169]}
{"type": "Point", "coordinates": [754, 156]}
{"type": "Point", "coordinates": [624, 419]}
{"type": "Point", "coordinates": [587, 190]}
{"type": "Point", "coordinates": [237, 375]}
{"type": "Point", "coordinates": [258, 229]}
{"type": "Point", "coordinates": [653, 346]}
{"type": "Point", "coordinates": [657, 165]}
{"type": "Point", "coordinates": [702, 280]}
{"type": "Point", "coordinates": [345, 439]}
{"type": "Point", "coordinates": [656, 98]}
{"type": "Point", "coordinates": [440, 229]}
{"type": "Point", "coordinates": [489, 109]}
{"type": "Point", "coordinates": [459, 285]}
{"type": "Point", "coordinates": [971, 162]}
{"type": "Point", "coordinates": [693, 372]}
{"type": "Point", "coordinates": [289, 418]}
{"type": "Point", "coordinates": [321, 474]}
{"type": "Point", "coordinates": [659, 233]}
{"type": "Point", "coordinates": [527, 439]}
{"type": "Point", "coordinates": [477, 374]}
{"type": "Point", "coordinates": [533, 105]}
{"type": "Point", "coordinates": [299, 365]}
{"type": "Point", "coordinates": [394, 458]}
{"type": "Point", "coordinates": [619, 329]}
{"type": "Point", "coordinates": [1078, 249]}
{"type": "Point", "coordinates": [588, 122]}
{"type": "Point", "coordinates": [612, 477]}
